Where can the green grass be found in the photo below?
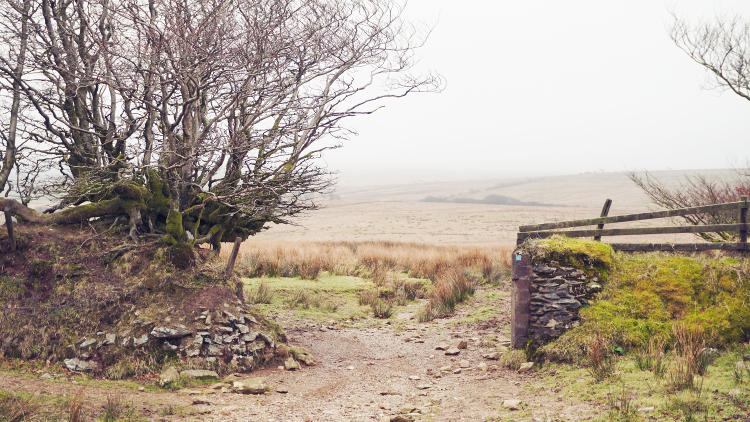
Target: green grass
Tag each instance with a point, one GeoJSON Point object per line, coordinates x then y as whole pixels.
{"type": "Point", "coordinates": [709, 400]}
{"type": "Point", "coordinates": [341, 291]}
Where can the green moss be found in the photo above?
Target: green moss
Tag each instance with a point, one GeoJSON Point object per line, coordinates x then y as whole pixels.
{"type": "Point", "coordinates": [647, 293]}
{"type": "Point", "coordinates": [174, 225]}
{"type": "Point", "coordinates": [159, 200]}
{"type": "Point", "coordinates": [586, 255]}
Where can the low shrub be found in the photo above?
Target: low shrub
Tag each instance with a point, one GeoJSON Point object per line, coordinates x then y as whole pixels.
{"type": "Point", "coordinates": [512, 359]}
{"type": "Point", "coordinates": [383, 309]}
{"type": "Point", "coordinates": [262, 294]}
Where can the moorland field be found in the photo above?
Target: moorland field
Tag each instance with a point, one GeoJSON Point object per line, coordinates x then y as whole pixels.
{"type": "Point", "coordinates": [376, 285]}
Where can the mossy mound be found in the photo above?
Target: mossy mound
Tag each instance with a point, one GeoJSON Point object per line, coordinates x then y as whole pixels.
{"type": "Point", "coordinates": [646, 293]}
{"type": "Point", "coordinates": [585, 255]}
{"type": "Point", "coordinates": [130, 316]}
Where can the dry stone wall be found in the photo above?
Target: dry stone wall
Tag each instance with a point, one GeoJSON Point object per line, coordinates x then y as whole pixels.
{"type": "Point", "coordinates": [234, 338]}
{"type": "Point", "coordinates": [557, 294]}
{"type": "Point", "coordinates": [546, 298]}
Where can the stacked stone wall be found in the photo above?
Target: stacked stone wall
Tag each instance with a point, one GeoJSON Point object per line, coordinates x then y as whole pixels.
{"type": "Point", "coordinates": [557, 294]}
{"type": "Point", "coordinates": [546, 298]}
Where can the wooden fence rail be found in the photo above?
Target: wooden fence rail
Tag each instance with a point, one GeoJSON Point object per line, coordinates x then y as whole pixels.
{"type": "Point", "coordinates": [549, 229]}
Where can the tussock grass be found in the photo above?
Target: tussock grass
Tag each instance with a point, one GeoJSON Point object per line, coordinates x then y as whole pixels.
{"type": "Point", "coordinates": [398, 270]}
{"type": "Point", "coordinates": [373, 260]}
{"type": "Point", "coordinates": [602, 361]}
{"type": "Point", "coordinates": [262, 294]}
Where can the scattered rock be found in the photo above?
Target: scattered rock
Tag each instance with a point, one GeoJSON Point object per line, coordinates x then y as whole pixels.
{"type": "Point", "coordinates": [141, 389]}
{"type": "Point", "coordinates": [164, 332]}
{"type": "Point", "coordinates": [282, 390]}
{"type": "Point", "coordinates": [457, 370]}
{"type": "Point", "coordinates": [464, 364]}
{"type": "Point", "coordinates": [350, 368]}
{"type": "Point", "coordinates": [78, 365]}
{"type": "Point", "coordinates": [414, 378]}
{"type": "Point", "coordinates": [423, 386]}
{"type": "Point", "coordinates": [291, 364]}
{"type": "Point", "coordinates": [110, 339]}
{"type": "Point", "coordinates": [199, 401]}
{"type": "Point", "coordinates": [460, 344]}
{"type": "Point", "coordinates": [742, 366]}
{"type": "Point", "coordinates": [168, 376]}
{"type": "Point", "coordinates": [446, 368]}
{"type": "Point", "coordinates": [442, 346]}
{"type": "Point", "coordinates": [198, 373]}
{"type": "Point", "coordinates": [483, 367]}
{"type": "Point", "coordinates": [503, 341]}
{"type": "Point", "coordinates": [734, 392]}
{"type": "Point", "coordinates": [140, 341]}
{"type": "Point", "coordinates": [46, 376]}
{"type": "Point", "coordinates": [452, 351]}
{"type": "Point", "coordinates": [646, 409]}
{"type": "Point", "coordinates": [87, 343]}
{"type": "Point", "coordinates": [301, 354]}
{"type": "Point", "coordinates": [492, 356]}
{"type": "Point", "coordinates": [512, 404]}
{"type": "Point", "coordinates": [231, 378]}
{"type": "Point", "coordinates": [526, 367]}
{"type": "Point", "coordinates": [250, 386]}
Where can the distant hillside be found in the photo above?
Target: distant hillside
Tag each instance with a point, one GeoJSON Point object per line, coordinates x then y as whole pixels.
{"type": "Point", "coordinates": [576, 190]}
{"type": "Point", "coordinates": [488, 200]}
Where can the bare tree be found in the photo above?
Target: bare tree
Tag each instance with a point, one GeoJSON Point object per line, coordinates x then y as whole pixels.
{"type": "Point", "coordinates": [696, 190]}
{"type": "Point", "coordinates": [722, 47]}
{"type": "Point", "coordinates": [198, 120]}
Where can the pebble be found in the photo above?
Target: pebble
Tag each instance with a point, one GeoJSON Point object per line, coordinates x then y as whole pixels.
{"type": "Point", "coordinates": [512, 404]}
{"type": "Point", "coordinates": [464, 363]}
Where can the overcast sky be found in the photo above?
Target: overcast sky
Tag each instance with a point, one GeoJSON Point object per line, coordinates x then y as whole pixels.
{"type": "Point", "coordinates": [551, 87]}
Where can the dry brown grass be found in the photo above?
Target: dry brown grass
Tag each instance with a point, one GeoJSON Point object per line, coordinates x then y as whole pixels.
{"type": "Point", "coordinates": [376, 260]}
{"type": "Point", "coordinates": [453, 270]}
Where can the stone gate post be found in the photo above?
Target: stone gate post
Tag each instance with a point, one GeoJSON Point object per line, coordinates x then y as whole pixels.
{"type": "Point", "coordinates": [520, 300]}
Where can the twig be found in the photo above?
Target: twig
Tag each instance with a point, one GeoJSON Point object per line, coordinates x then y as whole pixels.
{"type": "Point", "coordinates": [96, 235]}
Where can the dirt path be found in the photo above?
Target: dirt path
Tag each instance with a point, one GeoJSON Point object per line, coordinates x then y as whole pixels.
{"type": "Point", "coordinates": [362, 374]}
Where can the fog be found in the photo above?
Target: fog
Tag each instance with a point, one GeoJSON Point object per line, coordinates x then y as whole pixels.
{"type": "Point", "coordinates": [549, 87]}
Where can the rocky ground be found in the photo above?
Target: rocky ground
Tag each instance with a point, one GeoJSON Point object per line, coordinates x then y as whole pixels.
{"type": "Point", "coordinates": [391, 370]}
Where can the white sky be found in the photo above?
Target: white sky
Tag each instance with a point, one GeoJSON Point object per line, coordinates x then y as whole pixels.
{"type": "Point", "coordinates": [545, 87]}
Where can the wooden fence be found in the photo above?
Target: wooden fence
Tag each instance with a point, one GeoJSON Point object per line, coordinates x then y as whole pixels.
{"type": "Point", "coordinates": [549, 229]}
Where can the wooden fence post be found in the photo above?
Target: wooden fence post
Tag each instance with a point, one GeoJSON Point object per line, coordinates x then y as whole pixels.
{"type": "Point", "coordinates": [520, 300]}
{"type": "Point", "coordinates": [605, 212]}
{"type": "Point", "coordinates": [743, 222]}
{"type": "Point", "coordinates": [9, 225]}
{"type": "Point", "coordinates": [233, 256]}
